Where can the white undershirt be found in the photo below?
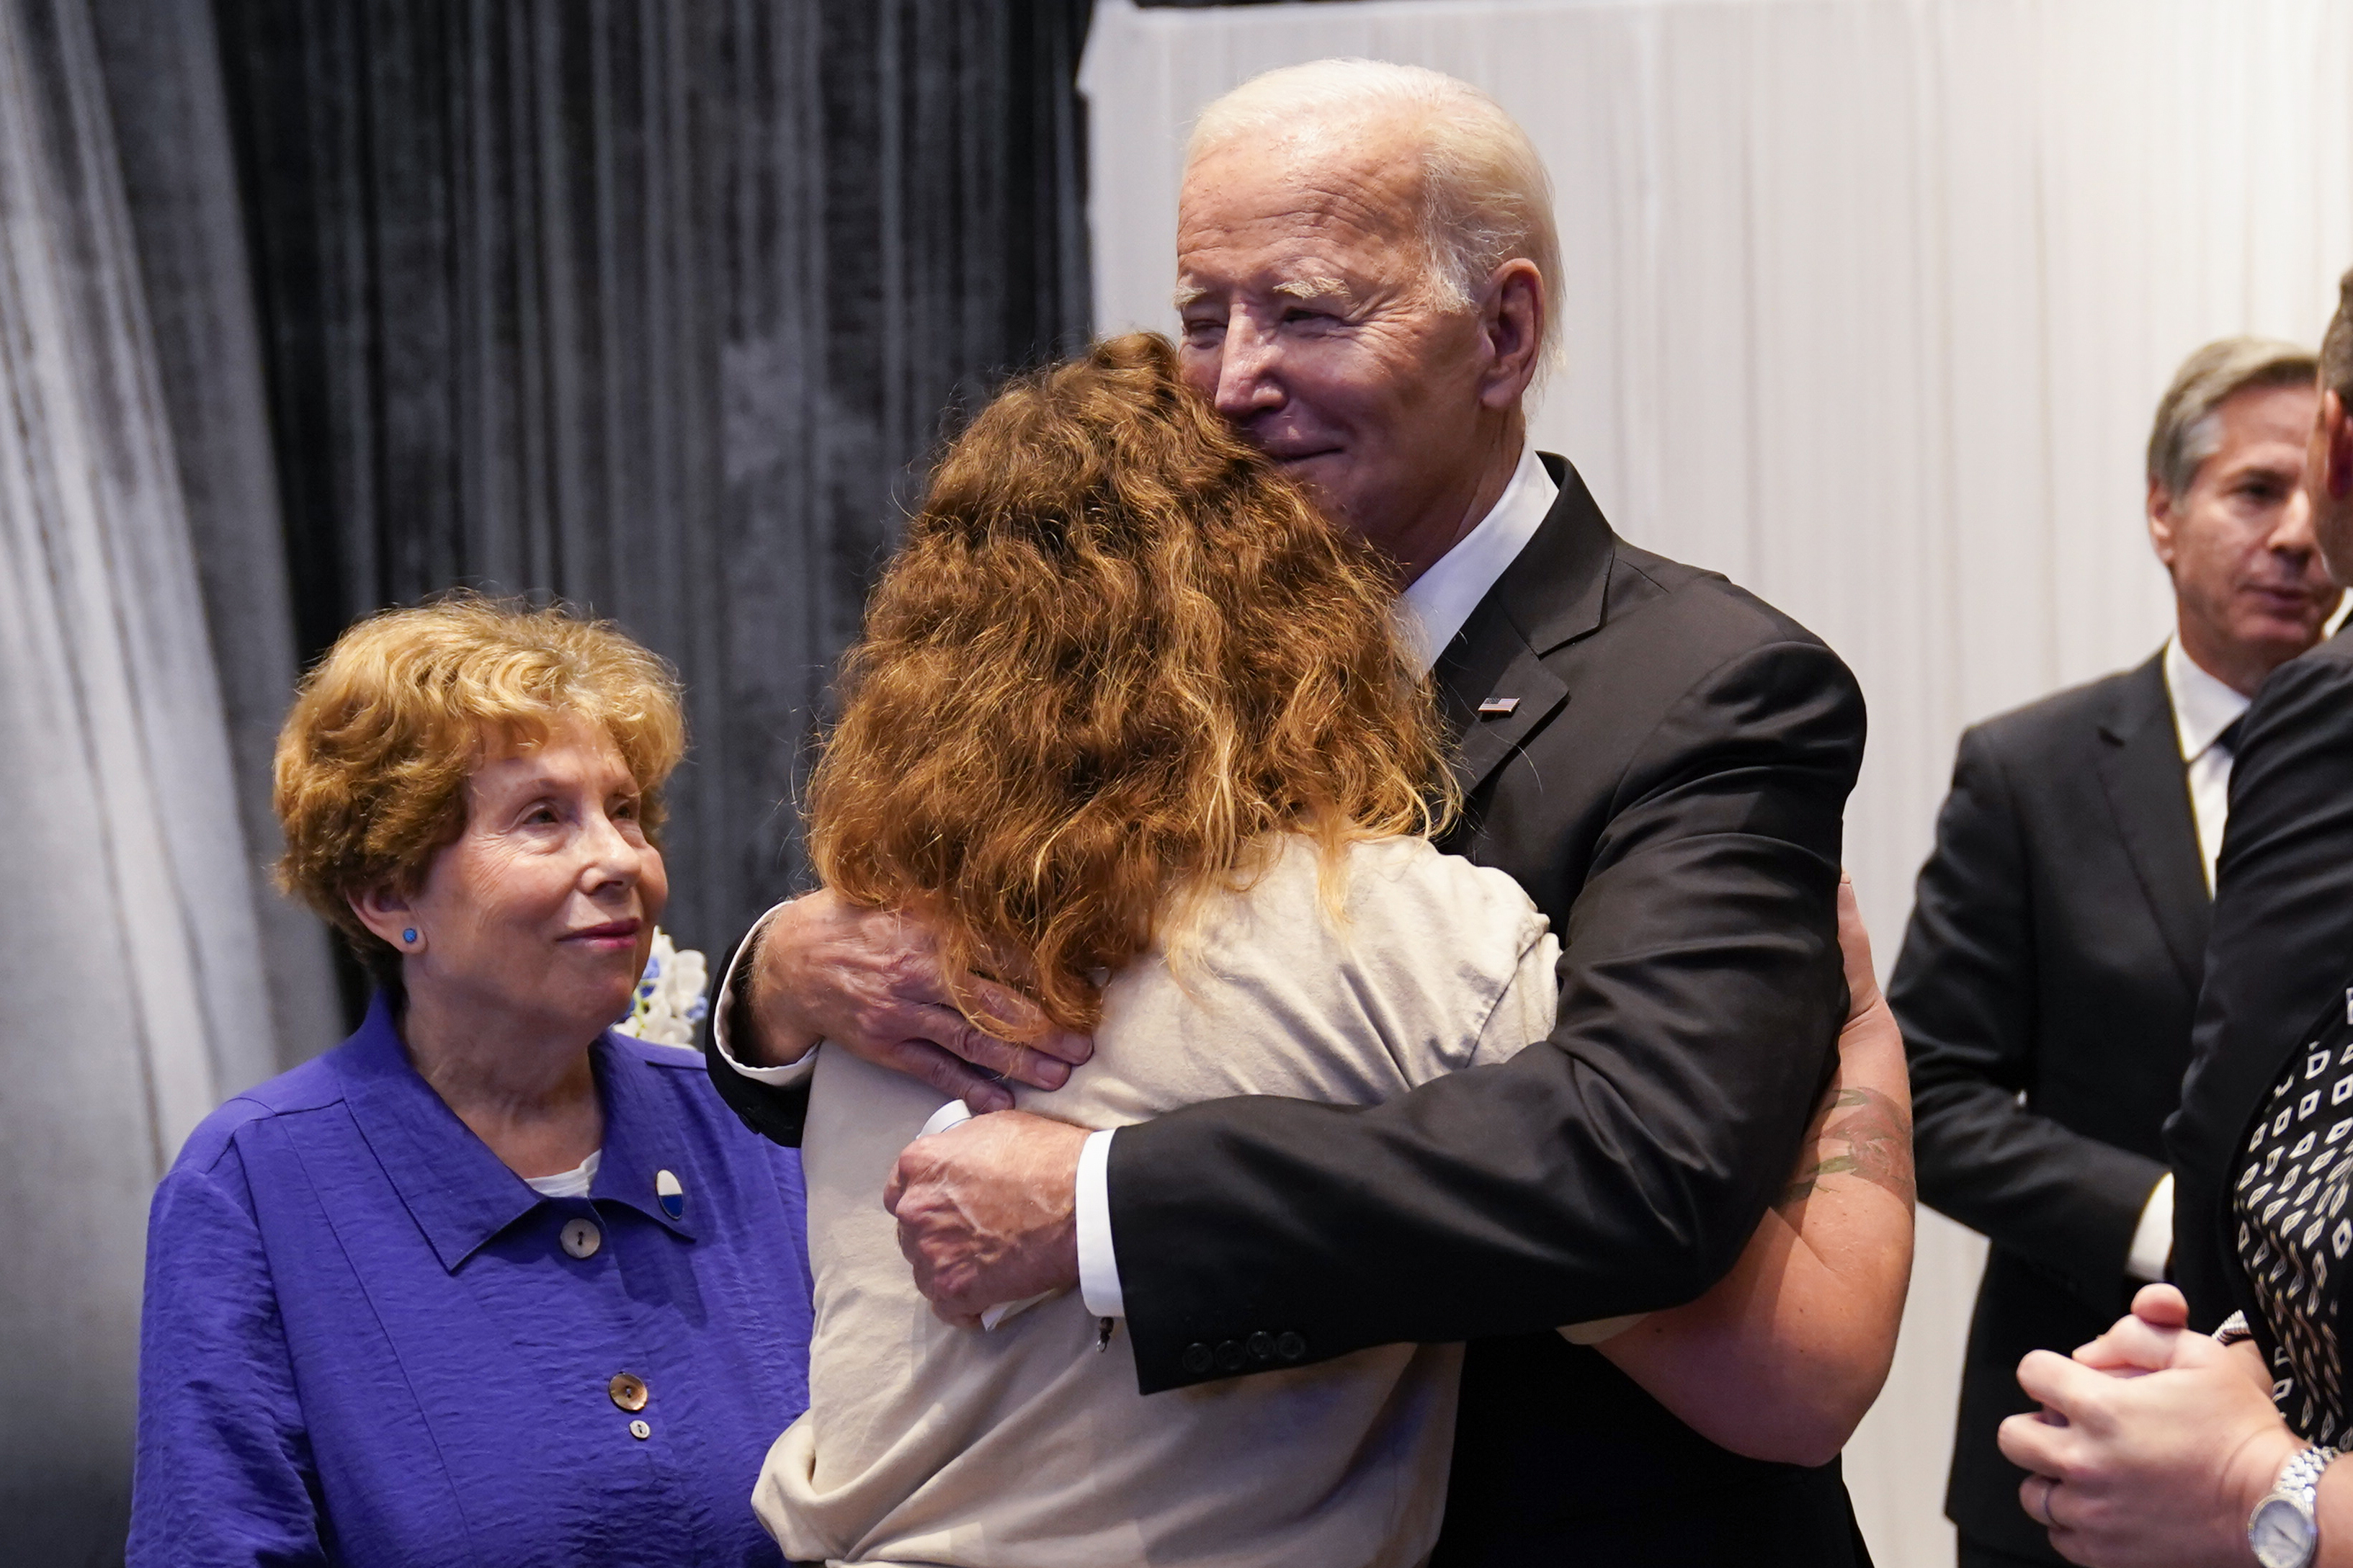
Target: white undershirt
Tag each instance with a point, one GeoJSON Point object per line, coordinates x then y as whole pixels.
{"type": "Point", "coordinates": [1433, 610]}
{"type": "Point", "coordinates": [572, 1183]}
{"type": "Point", "coordinates": [1438, 601]}
{"type": "Point", "coordinates": [2202, 708]}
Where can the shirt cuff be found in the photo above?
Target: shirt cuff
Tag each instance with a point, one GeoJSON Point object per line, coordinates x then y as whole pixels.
{"type": "Point", "coordinates": [783, 1076]}
{"type": "Point", "coordinates": [2152, 1242]}
{"type": "Point", "coordinates": [1097, 1264]}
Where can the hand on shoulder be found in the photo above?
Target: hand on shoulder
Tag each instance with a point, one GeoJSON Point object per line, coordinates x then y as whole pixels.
{"type": "Point", "coordinates": [870, 981]}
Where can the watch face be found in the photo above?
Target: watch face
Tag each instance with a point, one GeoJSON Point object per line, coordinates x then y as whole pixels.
{"type": "Point", "coordinates": [2281, 1533]}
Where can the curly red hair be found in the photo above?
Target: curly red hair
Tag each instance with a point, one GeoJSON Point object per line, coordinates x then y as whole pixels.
{"type": "Point", "coordinates": [1117, 652]}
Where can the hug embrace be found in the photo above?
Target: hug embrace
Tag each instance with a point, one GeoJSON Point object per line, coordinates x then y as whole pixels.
{"type": "Point", "coordinates": [1136, 760]}
{"type": "Point", "coordinates": [1433, 1103]}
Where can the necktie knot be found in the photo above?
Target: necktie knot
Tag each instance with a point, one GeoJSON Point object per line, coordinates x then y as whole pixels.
{"type": "Point", "coordinates": [2228, 739]}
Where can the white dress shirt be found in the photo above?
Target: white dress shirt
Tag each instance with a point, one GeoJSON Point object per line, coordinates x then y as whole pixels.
{"type": "Point", "coordinates": [2202, 708]}
{"type": "Point", "coordinates": [1433, 610]}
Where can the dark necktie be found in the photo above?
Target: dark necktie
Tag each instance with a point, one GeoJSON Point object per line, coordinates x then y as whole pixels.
{"type": "Point", "coordinates": [2228, 739]}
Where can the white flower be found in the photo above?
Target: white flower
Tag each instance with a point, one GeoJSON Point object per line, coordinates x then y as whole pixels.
{"type": "Point", "coordinates": [668, 1002]}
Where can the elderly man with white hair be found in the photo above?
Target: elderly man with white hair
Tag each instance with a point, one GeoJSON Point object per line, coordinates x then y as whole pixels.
{"type": "Point", "coordinates": [1658, 758]}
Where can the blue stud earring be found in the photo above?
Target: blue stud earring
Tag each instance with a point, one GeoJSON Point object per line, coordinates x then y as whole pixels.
{"type": "Point", "coordinates": [408, 935]}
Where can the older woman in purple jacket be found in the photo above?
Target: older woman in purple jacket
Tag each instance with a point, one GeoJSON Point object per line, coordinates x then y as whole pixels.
{"type": "Point", "coordinates": [488, 1283]}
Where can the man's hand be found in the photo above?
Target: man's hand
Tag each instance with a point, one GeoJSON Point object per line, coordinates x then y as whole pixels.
{"type": "Point", "coordinates": [2155, 1471]}
{"type": "Point", "coordinates": [987, 1211]}
{"type": "Point", "coordinates": [870, 981]}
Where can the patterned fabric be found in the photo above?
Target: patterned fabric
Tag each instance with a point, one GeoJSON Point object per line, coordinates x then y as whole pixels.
{"type": "Point", "coordinates": [2295, 1236]}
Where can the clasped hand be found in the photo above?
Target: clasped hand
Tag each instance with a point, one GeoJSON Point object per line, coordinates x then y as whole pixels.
{"type": "Point", "coordinates": [2154, 1444]}
{"type": "Point", "coordinates": [986, 1209]}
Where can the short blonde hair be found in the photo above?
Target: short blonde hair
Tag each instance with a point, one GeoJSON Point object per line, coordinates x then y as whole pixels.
{"type": "Point", "coordinates": [374, 755]}
{"type": "Point", "coordinates": [1485, 197]}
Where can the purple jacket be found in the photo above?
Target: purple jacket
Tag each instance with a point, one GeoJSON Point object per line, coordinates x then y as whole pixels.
{"type": "Point", "coordinates": [366, 1341]}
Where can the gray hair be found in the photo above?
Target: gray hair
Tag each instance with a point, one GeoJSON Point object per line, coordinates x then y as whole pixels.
{"type": "Point", "coordinates": [1486, 198]}
{"type": "Point", "coordinates": [2190, 416]}
{"type": "Point", "coordinates": [2336, 344]}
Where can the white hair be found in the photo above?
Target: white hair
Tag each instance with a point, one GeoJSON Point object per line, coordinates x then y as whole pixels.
{"type": "Point", "coordinates": [1486, 198]}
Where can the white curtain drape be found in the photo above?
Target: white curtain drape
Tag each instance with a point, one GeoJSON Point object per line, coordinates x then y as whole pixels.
{"type": "Point", "coordinates": [136, 993]}
{"type": "Point", "coordinates": [1867, 304]}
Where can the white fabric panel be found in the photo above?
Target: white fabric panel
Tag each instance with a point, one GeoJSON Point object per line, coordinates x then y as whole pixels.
{"type": "Point", "coordinates": [139, 878]}
{"type": "Point", "coordinates": [1866, 303]}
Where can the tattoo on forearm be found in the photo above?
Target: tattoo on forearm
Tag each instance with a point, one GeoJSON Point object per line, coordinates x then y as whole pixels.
{"type": "Point", "coordinates": [1878, 1145]}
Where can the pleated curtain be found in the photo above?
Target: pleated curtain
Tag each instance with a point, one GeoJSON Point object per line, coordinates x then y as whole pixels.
{"type": "Point", "coordinates": [654, 308]}
{"type": "Point", "coordinates": [133, 945]}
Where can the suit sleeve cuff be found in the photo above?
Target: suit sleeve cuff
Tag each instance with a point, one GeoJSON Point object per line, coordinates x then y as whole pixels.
{"type": "Point", "coordinates": [783, 1076]}
{"type": "Point", "coordinates": [2152, 1242]}
{"type": "Point", "coordinates": [1097, 1264]}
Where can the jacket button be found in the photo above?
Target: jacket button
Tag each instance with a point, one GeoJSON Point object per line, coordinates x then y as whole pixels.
{"type": "Point", "coordinates": [1196, 1359]}
{"type": "Point", "coordinates": [1261, 1346]}
{"type": "Point", "coordinates": [628, 1391]}
{"type": "Point", "coordinates": [1289, 1345]}
{"type": "Point", "coordinates": [1229, 1356]}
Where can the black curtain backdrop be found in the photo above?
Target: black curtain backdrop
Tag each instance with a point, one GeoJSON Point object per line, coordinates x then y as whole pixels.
{"type": "Point", "coordinates": [654, 307]}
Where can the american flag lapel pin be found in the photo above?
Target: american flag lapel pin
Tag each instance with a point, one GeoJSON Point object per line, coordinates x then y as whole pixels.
{"type": "Point", "coordinates": [1497, 706]}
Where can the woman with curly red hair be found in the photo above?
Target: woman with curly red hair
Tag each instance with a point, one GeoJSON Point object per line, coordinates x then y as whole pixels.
{"type": "Point", "coordinates": [1132, 728]}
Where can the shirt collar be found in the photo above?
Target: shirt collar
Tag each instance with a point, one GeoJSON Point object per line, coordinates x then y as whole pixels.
{"type": "Point", "coordinates": [1441, 599]}
{"type": "Point", "coordinates": [2202, 706]}
{"type": "Point", "coordinates": [462, 1195]}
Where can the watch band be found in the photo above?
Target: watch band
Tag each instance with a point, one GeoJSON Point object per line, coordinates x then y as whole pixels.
{"type": "Point", "coordinates": [2283, 1530]}
{"type": "Point", "coordinates": [2300, 1477]}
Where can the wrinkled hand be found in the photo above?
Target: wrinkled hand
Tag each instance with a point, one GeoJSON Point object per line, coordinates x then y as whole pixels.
{"type": "Point", "coordinates": [2158, 1470]}
{"type": "Point", "coordinates": [870, 981]}
{"type": "Point", "coordinates": [987, 1211]}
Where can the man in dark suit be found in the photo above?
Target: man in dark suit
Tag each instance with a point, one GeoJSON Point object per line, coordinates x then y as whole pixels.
{"type": "Point", "coordinates": [2046, 981]}
{"type": "Point", "coordinates": [2281, 946]}
{"type": "Point", "coordinates": [1661, 759]}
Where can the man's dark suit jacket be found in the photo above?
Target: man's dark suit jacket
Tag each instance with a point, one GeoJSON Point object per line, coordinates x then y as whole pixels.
{"type": "Point", "coordinates": [2280, 953]}
{"type": "Point", "coordinates": [2054, 952]}
{"type": "Point", "coordinates": [1668, 784]}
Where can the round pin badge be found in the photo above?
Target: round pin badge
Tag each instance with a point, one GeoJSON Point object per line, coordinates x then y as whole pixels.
{"type": "Point", "coordinates": [672, 1195]}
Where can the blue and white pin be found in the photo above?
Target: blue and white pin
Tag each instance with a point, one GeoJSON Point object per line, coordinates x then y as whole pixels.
{"type": "Point", "coordinates": [672, 1195]}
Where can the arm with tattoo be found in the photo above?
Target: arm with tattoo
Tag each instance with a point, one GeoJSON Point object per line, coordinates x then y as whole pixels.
{"type": "Point", "coordinates": [1873, 1137]}
{"type": "Point", "coordinates": [1782, 1358]}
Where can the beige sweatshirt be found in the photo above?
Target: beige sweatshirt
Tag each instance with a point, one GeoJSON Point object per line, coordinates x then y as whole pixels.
{"type": "Point", "coordinates": [1028, 1447]}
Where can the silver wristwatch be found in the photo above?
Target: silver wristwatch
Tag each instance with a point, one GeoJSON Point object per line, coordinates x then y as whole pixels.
{"type": "Point", "coordinates": [2284, 1528]}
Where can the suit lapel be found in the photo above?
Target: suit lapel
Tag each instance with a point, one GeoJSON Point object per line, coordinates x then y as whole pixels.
{"type": "Point", "coordinates": [1555, 591]}
{"type": "Point", "coordinates": [2149, 791]}
{"type": "Point", "coordinates": [1521, 679]}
